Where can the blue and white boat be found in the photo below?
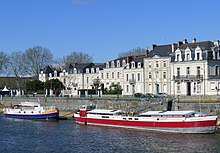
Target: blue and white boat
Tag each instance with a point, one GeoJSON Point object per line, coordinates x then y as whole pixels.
{"type": "Point", "coordinates": [31, 110]}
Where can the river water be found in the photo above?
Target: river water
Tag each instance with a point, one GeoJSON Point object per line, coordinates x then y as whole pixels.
{"type": "Point", "coordinates": [65, 136]}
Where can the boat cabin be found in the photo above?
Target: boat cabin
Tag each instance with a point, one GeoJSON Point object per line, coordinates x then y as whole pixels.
{"type": "Point", "coordinates": [105, 112]}
{"type": "Point", "coordinates": [190, 113]}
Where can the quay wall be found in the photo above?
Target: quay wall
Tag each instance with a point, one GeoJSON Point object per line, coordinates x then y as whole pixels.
{"type": "Point", "coordinates": [208, 105]}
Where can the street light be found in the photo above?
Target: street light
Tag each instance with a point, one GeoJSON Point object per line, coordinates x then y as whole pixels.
{"type": "Point", "coordinates": [203, 79]}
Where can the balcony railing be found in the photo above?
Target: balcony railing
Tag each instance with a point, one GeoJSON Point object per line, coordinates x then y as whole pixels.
{"type": "Point", "coordinates": [132, 81]}
{"type": "Point", "coordinates": [187, 78]}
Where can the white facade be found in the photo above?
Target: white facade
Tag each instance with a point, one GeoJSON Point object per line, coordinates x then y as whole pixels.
{"type": "Point", "coordinates": [157, 74]}
{"type": "Point", "coordinates": [183, 69]}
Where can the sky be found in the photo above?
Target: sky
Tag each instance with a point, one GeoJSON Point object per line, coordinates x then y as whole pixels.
{"type": "Point", "coordinates": [104, 28]}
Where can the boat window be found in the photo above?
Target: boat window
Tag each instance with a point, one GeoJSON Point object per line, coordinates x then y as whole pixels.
{"type": "Point", "coordinates": [124, 118]}
{"type": "Point", "coordinates": [130, 118]}
{"type": "Point", "coordinates": [105, 116]}
{"type": "Point", "coordinates": [145, 115]}
{"type": "Point", "coordinates": [135, 118]}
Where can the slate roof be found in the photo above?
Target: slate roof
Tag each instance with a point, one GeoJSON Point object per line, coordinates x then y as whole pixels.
{"type": "Point", "coordinates": [205, 45]}
{"type": "Point", "coordinates": [161, 50]}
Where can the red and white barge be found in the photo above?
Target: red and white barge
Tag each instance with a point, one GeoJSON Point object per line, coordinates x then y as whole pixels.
{"type": "Point", "coordinates": [168, 121]}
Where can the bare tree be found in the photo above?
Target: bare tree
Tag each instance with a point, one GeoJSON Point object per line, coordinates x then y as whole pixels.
{"type": "Point", "coordinates": [77, 57]}
{"type": "Point", "coordinates": [135, 51]}
{"type": "Point", "coordinates": [3, 61]}
{"type": "Point", "coordinates": [35, 59]}
{"type": "Point", "coordinates": [15, 64]}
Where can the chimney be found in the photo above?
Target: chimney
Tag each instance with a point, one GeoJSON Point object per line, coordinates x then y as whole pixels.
{"type": "Point", "coordinates": [153, 46]}
{"type": "Point", "coordinates": [173, 48]}
{"type": "Point", "coordinates": [194, 40]}
{"type": "Point", "coordinates": [180, 43]}
{"type": "Point", "coordinates": [216, 43]}
{"type": "Point", "coordinates": [185, 41]}
{"type": "Point", "coordinates": [146, 52]}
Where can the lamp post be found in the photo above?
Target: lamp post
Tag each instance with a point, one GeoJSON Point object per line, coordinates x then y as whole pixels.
{"type": "Point", "coordinates": [203, 79]}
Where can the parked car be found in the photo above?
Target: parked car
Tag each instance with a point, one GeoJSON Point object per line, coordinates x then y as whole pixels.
{"type": "Point", "coordinates": [150, 95]}
{"type": "Point", "coordinates": [139, 95]}
{"type": "Point", "coordinates": [162, 95]}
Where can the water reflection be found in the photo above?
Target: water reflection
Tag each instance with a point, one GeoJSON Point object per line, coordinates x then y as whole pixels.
{"type": "Point", "coordinates": [66, 136]}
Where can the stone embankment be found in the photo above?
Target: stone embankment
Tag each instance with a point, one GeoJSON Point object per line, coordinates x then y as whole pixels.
{"type": "Point", "coordinates": [67, 106]}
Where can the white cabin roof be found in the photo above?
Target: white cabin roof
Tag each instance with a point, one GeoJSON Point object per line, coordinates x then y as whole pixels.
{"type": "Point", "coordinates": [30, 104]}
{"type": "Point", "coordinates": [104, 111]}
{"type": "Point", "coordinates": [167, 113]}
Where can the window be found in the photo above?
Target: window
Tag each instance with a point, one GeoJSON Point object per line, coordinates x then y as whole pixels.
{"type": "Point", "coordinates": [118, 63]}
{"type": "Point", "coordinates": [107, 75]}
{"type": "Point", "coordinates": [198, 56]}
{"type": "Point", "coordinates": [87, 70]}
{"type": "Point", "coordinates": [216, 70]}
{"type": "Point", "coordinates": [178, 87]}
{"type": "Point", "coordinates": [157, 64]}
{"type": "Point", "coordinates": [216, 55]}
{"type": "Point", "coordinates": [178, 72]}
{"type": "Point", "coordinates": [97, 70]}
{"type": "Point", "coordinates": [150, 87]}
{"type": "Point", "coordinates": [113, 64]}
{"type": "Point", "coordinates": [178, 57]}
{"type": "Point", "coordinates": [132, 76]}
{"type": "Point", "coordinates": [139, 65]}
{"type": "Point", "coordinates": [164, 64]}
{"type": "Point", "coordinates": [198, 71]}
{"type": "Point", "coordinates": [87, 79]}
{"type": "Point", "coordinates": [133, 64]}
{"type": "Point", "coordinates": [187, 57]}
{"type": "Point", "coordinates": [157, 74]}
{"type": "Point", "coordinates": [198, 87]}
{"type": "Point", "coordinates": [126, 77]}
{"type": "Point", "coordinates": [149, 64]}
{"type": "Point", "coordinates": [92, 70]}
{"type": "Point", "coordinates": [164, 75]}
{"type": "Point", "coordinates": [194, 87]}
{"type": "Point", "coordinates": [102, 75]}
{"type": "Point", "coordinates": [123, 63]}
{"type": "Point", "coordinates": [127, 88]}
{"type": "Point", "coordinates": [139, 77]}
{"type": "Point", "coordinates": [118, 74]}
{"type": "Point", "coordinates": [188, 71]}
{"type": "Point", "coordinates": [113, 75]}
{"type": "Point", "coordinates": [107, 65]}
{"type": "Point", "coordinates": [150, 75]}
{"type": "Point", "coordinates": [212, 85]}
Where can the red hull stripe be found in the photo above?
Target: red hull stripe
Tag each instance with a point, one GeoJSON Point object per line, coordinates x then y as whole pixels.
{"type": "Point", "coordinates": [182, 124]}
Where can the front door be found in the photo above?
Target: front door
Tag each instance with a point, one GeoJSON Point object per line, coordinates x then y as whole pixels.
{"type": "Point", "coordinates": [188, 89]}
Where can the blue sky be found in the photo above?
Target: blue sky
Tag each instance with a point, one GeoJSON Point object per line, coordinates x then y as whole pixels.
{"type": "Point", "coordinates": [104, 28]}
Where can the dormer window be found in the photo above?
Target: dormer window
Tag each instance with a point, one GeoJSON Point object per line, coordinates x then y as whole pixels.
{"type": "Point", "coordinates": [188, 54]}
{"type": "Point", "coordinates": [139, 64]}
{"type": "Point", "coordinates": [97, 70]}
{"type": "Point", "coordinates": [198, 53]}
{"type": "Point", "coordinates": [55, 73]}
{"type": "Point", "coordinates": [87, 70]}
{"type": "Point", "coordinates": [74, 70]}
{"type": "Point", "coordinates": [127, 66]}
{"type": "Point", "coordinates": [118, 63]}
{"type": "Point", "coordinates": [123, 63]}
{"type": "Point", "coordinates": [178, 57]}
{"type": "Point", "coordinates": [92, 70]}
{"type": "Point", "coordinates": [107, 65]}
{"type": "Point", "coordinates": [132, 64]}
{"type": "Point", "coordinates": [112, 64]}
